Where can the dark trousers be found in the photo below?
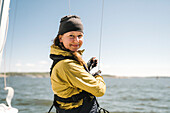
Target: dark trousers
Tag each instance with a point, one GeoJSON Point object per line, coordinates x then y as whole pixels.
{"type": "Point", "coordinates": [87, 107]}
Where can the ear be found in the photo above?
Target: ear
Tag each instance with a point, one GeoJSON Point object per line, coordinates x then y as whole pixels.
{"type": "Point", "coordinates": [60, 38]}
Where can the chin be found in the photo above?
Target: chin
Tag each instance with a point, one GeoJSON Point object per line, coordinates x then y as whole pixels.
{"type": "Point", "coordinates": [74, 49]}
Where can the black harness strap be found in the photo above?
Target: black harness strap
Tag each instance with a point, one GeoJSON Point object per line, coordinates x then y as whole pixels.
{"type": "Point", "coordinates": [57, 58]}
{"type": "Point", "coordinates": [51, 108]}
{"type": "Point", "coordinates": [74, 98]}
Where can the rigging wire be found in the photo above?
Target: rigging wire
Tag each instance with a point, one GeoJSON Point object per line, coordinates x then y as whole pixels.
{"type": "Point", "coordinates": [12, 39]}
{"type": "Point", "coordinates": [101, 29]}
{"type": "Point", "coordinates": [69, 7]}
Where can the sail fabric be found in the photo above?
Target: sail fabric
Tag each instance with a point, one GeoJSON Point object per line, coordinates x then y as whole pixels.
{"type": "Point", "coordinates": [4, 10]}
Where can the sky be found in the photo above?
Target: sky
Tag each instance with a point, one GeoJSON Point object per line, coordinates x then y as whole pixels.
{"type": "Point", "coordinates": [135, 36]}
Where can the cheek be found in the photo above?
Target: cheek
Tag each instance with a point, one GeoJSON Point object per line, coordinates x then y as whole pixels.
{"type": "Point", "coordinates": [65, 43]}
{"type": "Point", "coordinates": [81, 42]}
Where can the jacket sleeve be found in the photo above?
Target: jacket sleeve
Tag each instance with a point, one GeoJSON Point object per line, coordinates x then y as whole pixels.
{"type": "Point", "coordinates": [80, 78]}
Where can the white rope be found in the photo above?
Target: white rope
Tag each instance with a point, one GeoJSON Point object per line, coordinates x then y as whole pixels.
{"type": "Point", "coordinates": [5, 68]}
{"type": "Point", "coordinates": [5, 53]}
{"type": "Point", "coordinates": [101, 29]}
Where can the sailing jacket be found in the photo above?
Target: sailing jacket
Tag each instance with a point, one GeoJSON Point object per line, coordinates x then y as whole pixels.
{"type": "Point", "coordinates": [69, 78]}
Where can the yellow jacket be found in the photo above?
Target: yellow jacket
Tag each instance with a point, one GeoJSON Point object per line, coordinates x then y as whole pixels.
{"type": "Point", "coordinates": [68, 78]}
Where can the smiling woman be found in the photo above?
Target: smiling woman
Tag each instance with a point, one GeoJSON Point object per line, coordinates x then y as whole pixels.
{"type": "Point", "coordinates": [75, 89]}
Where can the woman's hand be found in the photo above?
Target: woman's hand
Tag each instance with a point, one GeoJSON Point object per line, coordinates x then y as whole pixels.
{"type": "Point", "coordinates": [97, 73]}
{"type": "Point", "coordinates": [92, 63]}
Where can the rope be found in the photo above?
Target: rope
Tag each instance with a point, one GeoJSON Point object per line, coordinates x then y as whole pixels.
{"type": "Point", "coordinates": [101, 29]}
{"type": "Point", "coordinates": [5, 52]}
{"type": "Point", "coordinates": [5, 68]}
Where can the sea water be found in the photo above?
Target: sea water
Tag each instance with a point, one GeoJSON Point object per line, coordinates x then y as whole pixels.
{"type": "Point", "coordinates": [125, 95]}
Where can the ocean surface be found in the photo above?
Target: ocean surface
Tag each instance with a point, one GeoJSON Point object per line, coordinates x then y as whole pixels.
{"type": "Point", "coordinates": [125, 95]}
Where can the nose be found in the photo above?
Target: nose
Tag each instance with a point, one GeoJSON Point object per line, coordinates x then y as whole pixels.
{"type": "Point", "coordinates": [76, 39]}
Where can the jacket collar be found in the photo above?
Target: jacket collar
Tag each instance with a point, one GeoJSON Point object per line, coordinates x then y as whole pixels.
{"type": "Point", "coordinates": [57, 51]}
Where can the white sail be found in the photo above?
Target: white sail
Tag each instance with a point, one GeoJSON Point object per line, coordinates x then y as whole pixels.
{"type": "Point", "coordinates": [4, 18]}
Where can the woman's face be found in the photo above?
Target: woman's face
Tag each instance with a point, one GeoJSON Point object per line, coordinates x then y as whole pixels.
{"type": "Point", "coordinates": [72, 40]}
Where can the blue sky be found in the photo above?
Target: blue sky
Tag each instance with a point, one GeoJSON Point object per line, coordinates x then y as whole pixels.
{"type": "Point", "coordinates": [135, 36]}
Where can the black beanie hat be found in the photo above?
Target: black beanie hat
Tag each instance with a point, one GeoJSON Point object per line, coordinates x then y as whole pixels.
{"type": "Point", "coordinates": [70, 23]}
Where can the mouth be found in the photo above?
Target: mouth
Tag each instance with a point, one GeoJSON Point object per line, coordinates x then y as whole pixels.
{"type": "Point", "coordinates": [75, 45]}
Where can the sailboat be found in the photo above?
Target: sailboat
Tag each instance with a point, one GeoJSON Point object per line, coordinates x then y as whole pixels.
{"type": "Point", "coordinates": [4, 20]}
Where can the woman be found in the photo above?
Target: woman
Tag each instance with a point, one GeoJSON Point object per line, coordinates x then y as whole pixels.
{"type": "Point", "coordinates": [74, 87]}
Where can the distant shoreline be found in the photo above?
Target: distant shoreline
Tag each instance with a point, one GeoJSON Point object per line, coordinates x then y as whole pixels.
{"type": "Point", "coordinates": [36, 74]}
{"type": "Point", "coordinates": [47, 74]}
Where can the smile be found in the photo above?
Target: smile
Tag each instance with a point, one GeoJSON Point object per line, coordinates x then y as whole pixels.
{"type": "Point", "coordinates": [76, 45]}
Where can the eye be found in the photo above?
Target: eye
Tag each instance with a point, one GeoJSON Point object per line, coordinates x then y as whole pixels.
{"type": "Point", "coordinates": [79, 36]}
{"type": "Point", "coordinates": [71, 35]}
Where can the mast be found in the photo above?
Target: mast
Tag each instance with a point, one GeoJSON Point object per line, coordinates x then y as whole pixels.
{"type": "Point", "coordinates": [4, 20]}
